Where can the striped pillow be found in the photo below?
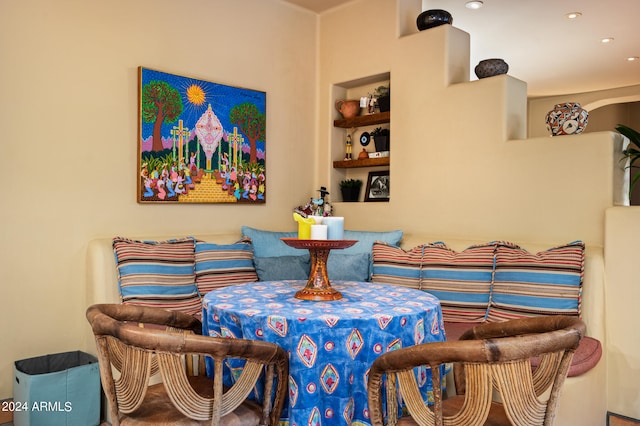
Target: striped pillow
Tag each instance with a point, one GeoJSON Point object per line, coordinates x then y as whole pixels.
{"type": "Point", "coordinates": [461, 280]}
{"type": "Point", "coordinates": [546, 283]}
{"type": "Point", "coordinates": [393, 265]}
{"type": "Point", "coordinates": [218, 266]}
{"type": "Point", "coordinates": [157, 273]}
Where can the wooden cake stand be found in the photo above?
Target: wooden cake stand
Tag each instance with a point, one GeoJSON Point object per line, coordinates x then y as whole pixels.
{"type": "Point", "coordinates": [318, 287]}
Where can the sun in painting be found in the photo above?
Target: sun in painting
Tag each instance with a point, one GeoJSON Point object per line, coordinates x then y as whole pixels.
{"type": "Point", "coordinates": [195, 94]}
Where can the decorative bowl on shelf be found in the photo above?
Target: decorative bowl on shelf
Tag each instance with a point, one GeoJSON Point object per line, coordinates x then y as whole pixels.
{"type": "Point", "coordinates": [433, 18]}
{"type": "Point", "coordinates": [490, 67]}
{"type": "Point", "coordinates": [567, 119]}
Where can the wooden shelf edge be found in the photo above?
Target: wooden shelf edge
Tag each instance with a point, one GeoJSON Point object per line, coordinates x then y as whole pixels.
{"type": "Point", "coordinates": [367, 162]}
{"type": "Point", "coordinates": [363, 120]}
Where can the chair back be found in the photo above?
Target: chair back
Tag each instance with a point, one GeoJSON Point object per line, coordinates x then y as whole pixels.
{"type": "Point", "coordinates": [136, 342]}
{"type": "Point", "coordinates": [489, 358]}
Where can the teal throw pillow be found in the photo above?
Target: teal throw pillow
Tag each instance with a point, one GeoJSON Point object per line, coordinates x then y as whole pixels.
{"type": "Point", "coordinates": [348, 267]}
{"type": "Point", "coordinates": [283, 268]}
{"type": "Point", "coordinates": [367, 238]}
{"type": "Point", "coordinates": [268, 243]}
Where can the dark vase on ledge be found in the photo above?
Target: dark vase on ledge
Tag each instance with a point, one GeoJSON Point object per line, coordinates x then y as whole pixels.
{"type": "Point", "coordinates": [433, 18]}
{"type": "Point", "coordinates": [491, 67]}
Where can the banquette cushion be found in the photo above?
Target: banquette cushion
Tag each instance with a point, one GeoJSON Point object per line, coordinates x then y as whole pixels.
{"type": "Point", "coordinates": [175, 274]}
{"type": "Point", "coordinates": [460, 280]}
{"type": "Point", "coordinates": [493, 282]}
{"type": "Point", "coordinates": [221, 265]}
{"type": "Point", "coordinates": [545, 283]}
{"type": "Point", "coordinates": [158, 273]}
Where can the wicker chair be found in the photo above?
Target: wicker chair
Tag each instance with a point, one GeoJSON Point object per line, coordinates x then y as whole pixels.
{"type": "Point", "coordinates": [489, 358]}
{"type": "Point", "coordinates": [164, 344]}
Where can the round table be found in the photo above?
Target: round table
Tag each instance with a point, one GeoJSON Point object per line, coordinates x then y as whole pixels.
{"type": "Point", "coordinates": [331, 343]}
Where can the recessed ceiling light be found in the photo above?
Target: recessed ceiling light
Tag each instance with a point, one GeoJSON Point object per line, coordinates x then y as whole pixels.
{"type": "Point", "coordinates": [474, 4]}
{"type": "Point", "coordinates": [633, 58]}
{"type": "Point", "coordinates": [573, 15]}
{"type": "Point", "coordinates": [607, 40]}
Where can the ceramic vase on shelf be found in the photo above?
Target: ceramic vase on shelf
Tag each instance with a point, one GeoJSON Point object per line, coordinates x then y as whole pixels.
{"type": "Point", "coordinates": [567, 119]}
{"type": "Point", "coordinates": [348, 108]}
{"type": "Point", "coordinates": [433, 18]}
{"type": "Point", "coordinates": [490, 67]}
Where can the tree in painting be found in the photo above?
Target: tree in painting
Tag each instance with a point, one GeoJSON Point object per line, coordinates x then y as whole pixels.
{"type": "Point", "coordinates": [160, 103]}
{"type": "Point", "coordinates": [252, 123]}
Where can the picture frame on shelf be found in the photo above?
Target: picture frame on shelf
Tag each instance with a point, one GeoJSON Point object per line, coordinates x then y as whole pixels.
{"type": "Point", "coordinates": [378, 188]}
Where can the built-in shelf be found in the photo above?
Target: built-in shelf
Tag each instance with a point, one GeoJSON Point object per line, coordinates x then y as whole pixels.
{"type": "Point", "coordinates": [345, 129]}
{"type": "Point", "coordinates": [363, 120]}
{"type": "Point", "coordinates": [365, 162]}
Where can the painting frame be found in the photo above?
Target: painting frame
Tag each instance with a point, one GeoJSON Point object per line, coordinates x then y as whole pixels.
{"type": "Point", "coordinates": [378, 186]}
{"type": "Point", "coordinates": [199, 141]}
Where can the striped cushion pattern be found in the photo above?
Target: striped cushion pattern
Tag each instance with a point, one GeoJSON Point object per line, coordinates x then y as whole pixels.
{"type": "Point", "coordinates": [393, 265]}
{"type": "Point", "coordinates": [545, 283]}
{"type": "Point", "coordinates": [158, 273]}
{"type": "Point", "coordinates": [460, 280]}
{"type": "Point", "coordinates": [220, 265]}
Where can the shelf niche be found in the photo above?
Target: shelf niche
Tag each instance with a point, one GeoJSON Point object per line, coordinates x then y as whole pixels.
{"type": "Point", "coordinates": [356, 168]}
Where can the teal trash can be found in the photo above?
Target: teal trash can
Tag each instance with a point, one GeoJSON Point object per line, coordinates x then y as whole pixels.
{"type": "Point", "coordinates": [60, 389]}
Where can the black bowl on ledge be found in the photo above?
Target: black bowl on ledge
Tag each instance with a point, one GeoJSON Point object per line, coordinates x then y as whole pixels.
{"type": "Point", "coordinates": [490, 67]}
{"type": "Point", "coordinates": [433, 18]}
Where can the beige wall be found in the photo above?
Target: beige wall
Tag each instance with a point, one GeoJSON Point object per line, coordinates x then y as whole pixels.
{"type": "Point", "coordinates": [460, 163]}
{"type": "Point", "coordinates": [68, 110]}
{"type": "Point", "coordinates": [460, 166]}
{"type": "Point", "coordinates": [607, 117]}
{"type": "Point", "coordinates": [623, 292]}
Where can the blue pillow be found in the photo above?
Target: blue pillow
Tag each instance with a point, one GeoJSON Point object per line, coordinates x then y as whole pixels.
{"type": "Point", "coordinates": [283, 268]}
{"type": "Point", "coordinates": [367, 238]}
{"type": "Point", "coordinates": [268, 244]}
{"type": "Point", "coordinates": [348, 267]}
{"type": "Point", "coordinates": [342, 264]}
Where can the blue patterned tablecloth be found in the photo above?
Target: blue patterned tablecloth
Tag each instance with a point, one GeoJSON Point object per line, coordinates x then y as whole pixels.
{"type": "Point", "coordinates": [331, 344]}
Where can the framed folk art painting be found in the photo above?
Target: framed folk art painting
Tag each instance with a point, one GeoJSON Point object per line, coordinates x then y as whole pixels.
{"type": "Point", "coordinates": [200, 141]}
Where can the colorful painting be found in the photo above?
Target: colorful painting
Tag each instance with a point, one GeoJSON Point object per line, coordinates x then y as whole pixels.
{"type": "Point", "coordinates": [200, 142]}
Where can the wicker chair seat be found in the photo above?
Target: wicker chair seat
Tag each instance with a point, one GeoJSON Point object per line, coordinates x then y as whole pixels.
{"type": "Point", "coordinates": [157, 409]}
{"type": "Point", "coordinates": [497, 415]}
